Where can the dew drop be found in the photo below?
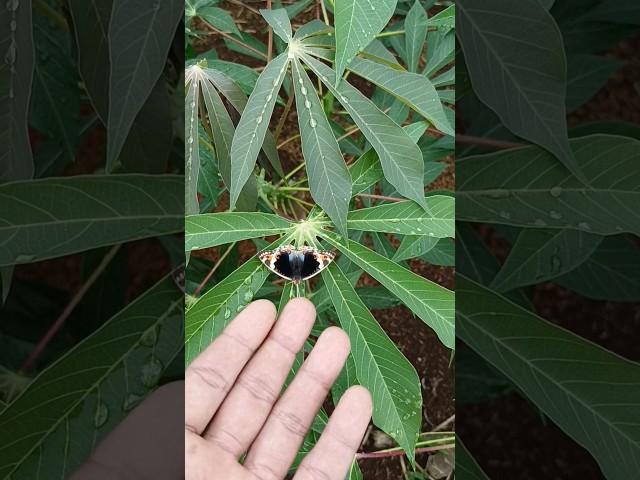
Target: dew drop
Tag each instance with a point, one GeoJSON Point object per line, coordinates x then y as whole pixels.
{"type": "Point", "coordinates": [247, 281]}
{"type": "Point", "coordinates": [151, 372]}
{"type": "Point", "coordinates": [584, 226]}
{"type": "Point", "coordinates": [259, 120]}
{"type": "Point", "coordinates": [190, 140]}
{"type": "Point", "coordinates": [555, 215]}
{"type": "Point", "coordinates": [102, 414]}
{"type": "Point", "coordinates": [505, 215]}
{"type": "Point", "coordinates": [13, 25]}
{"type": "Point", "coordinates": [12, 5]}
{"type": "Point", "coordinates": [540, 223]}
{"type": "Point", "coordinates": [556, 263]}
{"type": "Point", "coordinates": [150, 337]}
{"type": "Point", "coordinates": [227, 313]}
{"type": "Point", "coordinates": [556, 192]}
{"type": "Point", "coordinates": [307, 104]}
{"type": "Point", "coordinates": [239, 308]}
{"type": "Point", "coordinates": [193, 104]}
{"type": "Point", "coordinates": [10, 55]}
{"type": "Point", "coordinates": [313, 123]}
{"type": "Point", "coordinates": [303, 90]}
{"type": "Point", "coordinates": [498, 194]}
{"type": "Point", "coordinates": [131, 401]}
{"type": "Point", "coordinates": [373, 7]}
{"type": "Point", "coordinates": [269, 97]}
{"type": "Point", "coordinates": [344, 99]}
{"type": "Point", "coordinates": [276, 81]}
{"type": "Point", "coordinates": [248, 296]}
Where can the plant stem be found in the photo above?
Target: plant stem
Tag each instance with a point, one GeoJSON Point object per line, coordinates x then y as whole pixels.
{"type": "Point", "coordinates": [324, 12]}
{"type": "Point", "coordinates": [487, 142]}
{"type": "Point", "coordinates": [58, 324]}
{"type": "Point", "coordinates": [300, 201]}
{"type": "Point", "coordinates": [47, 11]}
{"type": "Point", "coordinates": [242, 4]}
{"type": "Point", "coordinates": [294, 189]}
{"type": "Point", "coordinates": [213, 269]}
{"type": "Point", "coordinates": [381, 197]}
{"type": "Point", "coordinates": [288, 140]}
{"type": "Point", "coordinates": [283, 117]}
{"type": "Point", "coordinates": [270, 33]}
{"type": "Point", "coordinates": [449, 420]}
{"type": "Point", "coordinates": [390, 34]}
{"type": "Point", "coordinates": [235, 40]}
{"type": "Point", "coordinates": [399, 452]}
{"type": "Point", "coordinates": [291, 173]}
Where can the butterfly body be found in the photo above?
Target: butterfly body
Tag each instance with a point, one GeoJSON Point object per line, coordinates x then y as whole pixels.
{"type": "Point", "coordinates": [296, 264]}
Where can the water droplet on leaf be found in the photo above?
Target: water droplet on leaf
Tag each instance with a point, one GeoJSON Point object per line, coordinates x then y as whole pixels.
{"type": "Point", "coordinates": [102, 414]}
{"type": "Point", "coordinates": [151, 372]}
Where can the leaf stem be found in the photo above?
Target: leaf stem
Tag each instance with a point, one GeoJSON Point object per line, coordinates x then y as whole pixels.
{"type": "Point", "coordinates": [73, 303]}
{"type": "Point", "coordinates": [324, 12]}
{"type": "Point", "coordinates": [288, 140]}
{"type": "Point", "coordinates": [283, 117]}
{"type": "Point", "coordinates": [398, 452]}
{"type": "Point", "coordinates": [270, 33]}
{"type": "Point", "coordinates": [243, 4]}
{"type": "Point", "coordinates": [294, 189]}
{"type": "Point", "coordinates": [213, 269]}
{"type": "Point", "coordinates": [487, 142]}
{"type": "Point", "coordinates": [381, 197]}
{"type": "Point", "coordinates": [291, 173]}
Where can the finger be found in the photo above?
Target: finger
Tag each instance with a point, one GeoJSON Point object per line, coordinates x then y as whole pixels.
{"type": "Point", "coordinates": [211, 375]}
{"type": "Point", "coordinates": [245, 409]}
{"type": "Point", "coordinates": [141, 446]}
{"type": "Point", "coordinates": [275, 447]}
{"type": "Point", "coordinates": [331, 458]}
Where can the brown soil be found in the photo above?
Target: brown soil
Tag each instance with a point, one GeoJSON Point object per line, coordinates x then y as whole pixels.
{"type": "Point", "coordinates": [508, 436]}
{"type": "Point", "coordinates": [417, 342]}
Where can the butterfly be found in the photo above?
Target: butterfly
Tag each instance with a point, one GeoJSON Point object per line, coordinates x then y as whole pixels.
{"type": "Point", "coordinates": [296, 264]}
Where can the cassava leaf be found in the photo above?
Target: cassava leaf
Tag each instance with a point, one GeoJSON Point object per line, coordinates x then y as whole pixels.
{"type": "Point", "coordinates": [414, 246]}
{"type": "Point", "coordinates": [91, 388]}
{"type": "Point", "coordinates": [589, 392]}
{"type": "Point", "coordinates": [138, 53]}
{"type": "Point", "coordinates": [526, 187]}
{"type": "Point", "coordinates": [429, 301]}
{"type": "Point", "coordinates": [329, 178]}
{"type": "Point", "coordinates": [279, 21]}
{"type": "Point", "coordinates": [213, 229]}
{"type": "Point", "coordinates": [415, 26]}
{"type": "Point", "coordinates": [357, 22]}
{"type": "Point", "coordinates": [58, 216]}
{"type": "Point", "coordinates": [528, 95]}
{"type": "Point", "coordinates": [407, 218]}
{"type": "Point", "coordinates": [400, 157]}
{"type": "Point", "coordinates": [466, 465]}
{"type": "Point", "coordinates": [254, 123]}
{"type": "Point", "coordinates": [379, 365]}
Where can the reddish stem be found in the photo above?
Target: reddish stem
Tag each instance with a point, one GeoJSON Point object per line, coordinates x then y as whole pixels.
{"type": "Point", "coordinates": [487, 142]}
{"type": "Point", "coordinates": [399, 453]}
{"type": "Point", "coordinates": [270, 30]}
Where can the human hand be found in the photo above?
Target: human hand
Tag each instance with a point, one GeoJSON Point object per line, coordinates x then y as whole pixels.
{"type": "Point", "coordinates": [233, 404]}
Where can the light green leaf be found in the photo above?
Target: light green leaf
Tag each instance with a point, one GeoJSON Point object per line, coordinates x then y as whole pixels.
{"type": "Point", "coordinates": [444, 253]}
{"type": "Point", "coordinates": [357, 22]}
{"type": "Point", "coordinates": [610, 274]}
{"type": "Point", "coordinates": [16, 74]}
{"type": "Point", "coordinates": [526, 187]}
{"type": "Point", "coordinates": [329, 178]}
{"type": "Point", "coordinates": [347, 377]}
{"type": "Point", "coordinates": [592, 394]}
{"type": "Point", "coordinates": [376, 297]}
{"type": "Point", "coordinates": [213, 229]}
{"type": "Point", "coordinates": [400, 157]}
{"type": "Point", "coordinates": [518, 68]}
{"type": "Point", "coordinates": [279, 21]}
{"type": "Point", "coordinates": [217, 307]}
{"type": "Point", "coordinates": [413, 89]}
{"type": "Point", "coordinates": [88, 391]}
{"type": "Point", "coordinates": [441, 51]}
{"type": "Point", "coordinates": [539, 255]}
{"type": "Point", "coordinates": [245, 77]}
{"type": "Point", "coordinates": [380, 366]}
{"type": "Point", "coordinates": [466, 466]}
{"type": "Point", "coordinates": [413, 246]}
{"type": "Point", "coordinates": [407, 218]}
{"type": "Point", "coordinates": [429, 301]}
{"type": "Point", "coordinates": [53, 217]}
{"type": "Point", "coordinates": [415, 26]}
{"type": "Point", "coordinates": [219, 18]}
{"type": "Point", "coordinates": [138, 53]}
{"type": "Point", "coordinates": [254, 123]}
{"type": "Point", "coordinates": [446, 19]}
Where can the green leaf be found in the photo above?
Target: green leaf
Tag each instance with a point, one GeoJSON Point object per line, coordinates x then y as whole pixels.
{"type": "Point", "coordinates": [518, 68]}
{"type": "Point", "coordinates": [376, 297]}
{"type": "Point", "coordinates": [380, 366]}
{"type": "Point", "coordinates": [400, 157]}
{"type": "Point", "coordinates": [16, 73]}
{"type": "Point", "coordinates": [589, 392]}
{"type": "Point", "coordinates": [586, 75]}
{"type": "Point", "coordinates": [442, 47]}
{"type": "Point", "coordinates": [138, 53]}
{"type": "Point", "coordinates": [429, 301]}
{"type": "Point", "coordinates": [415, 25]}
{"type": "Point", "coordinates": [526, 187]}
{"type": "Point", "coordinates": [329, 178]}
{"type": "Point", "coordinates": [414, 246]}
{"type": "Point", "coordinates": [213, 229]}
{"type": "Point", "coordinates": [254, 123]}
{"type": "Point", "coordinates": [413, 89]}
{"type": "Point", "coordinates": [245, 77]}
{"type": "Point", "coordinates": [191, 144]}
{"type": "Point", "coordinates": [610, 274]}
{"type": "Point", "coordinates": [89, 390]}
{"type": "Point", "coordinates": [407, 218]}
{"type": "Point", "coordinates": [217, 307]}
{"type": "Point", "coordinates": [466, 466]}
{"type": "Point", "coordinates": [540, 255]}
{"type": "Point", "coordinates": [219, 18]}
{"type": "Point", "coordinates": [357, 22]}
{"type": "Point", "coordinates": [444, 253]}
{"type": "Point", "coordinates": [91, 26]}
{"type": "Point", "coordinates": [279, 21]}
{"type": "Point", "coordinates": [53, 217]}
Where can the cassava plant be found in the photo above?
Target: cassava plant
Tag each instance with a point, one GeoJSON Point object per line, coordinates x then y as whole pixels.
{"type": "Point", "coordinates": [405, 127]}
